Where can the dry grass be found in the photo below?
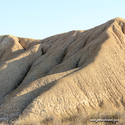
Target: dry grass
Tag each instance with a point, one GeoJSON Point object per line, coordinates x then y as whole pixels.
{"type": "Point", "coordinates": [76, 119]}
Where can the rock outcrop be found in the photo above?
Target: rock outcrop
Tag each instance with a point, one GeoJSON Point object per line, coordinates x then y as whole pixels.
{"type": "Point", "coordinates": [78, 71]}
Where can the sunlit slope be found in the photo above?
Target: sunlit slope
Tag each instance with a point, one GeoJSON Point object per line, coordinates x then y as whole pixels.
{"type": "Point", "coordinates": [78, 71]}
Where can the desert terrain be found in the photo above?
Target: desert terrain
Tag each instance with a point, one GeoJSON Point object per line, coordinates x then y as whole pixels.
{"type": "Point", "coordinates": [77, 73]}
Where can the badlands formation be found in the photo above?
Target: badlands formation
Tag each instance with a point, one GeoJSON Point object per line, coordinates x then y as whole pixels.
{"type": "Point", "coordinates": [73, 72]}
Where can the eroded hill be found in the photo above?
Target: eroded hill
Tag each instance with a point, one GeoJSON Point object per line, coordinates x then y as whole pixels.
{"type": "Point", "coordinates": [78, 71]}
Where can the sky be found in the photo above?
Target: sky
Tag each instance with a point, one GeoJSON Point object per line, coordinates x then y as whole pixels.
{"type": "Point", "coordinates": [39, 19]}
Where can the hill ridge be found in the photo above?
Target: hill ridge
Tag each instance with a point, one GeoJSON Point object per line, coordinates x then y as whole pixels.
{"type": "Point", "coordinates": [63, 74]}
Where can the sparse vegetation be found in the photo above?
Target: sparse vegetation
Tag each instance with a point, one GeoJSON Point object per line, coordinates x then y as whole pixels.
{"type": "Point", "coordinates": [76, 119]}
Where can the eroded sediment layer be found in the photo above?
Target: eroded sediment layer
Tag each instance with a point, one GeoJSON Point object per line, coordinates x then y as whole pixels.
{"type": "Point", "coordinates": [63, 74]}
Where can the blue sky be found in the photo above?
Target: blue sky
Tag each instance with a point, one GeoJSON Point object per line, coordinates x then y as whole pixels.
{"type": "Point", "coordinates": [39, 19]}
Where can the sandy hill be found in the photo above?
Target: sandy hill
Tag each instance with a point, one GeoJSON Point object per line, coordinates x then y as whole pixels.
{"type": "Point", "coordinates": [69, 73]}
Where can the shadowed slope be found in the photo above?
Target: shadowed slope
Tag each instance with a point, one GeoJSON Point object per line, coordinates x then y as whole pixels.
{"type": "Point", "coordinates": [78, 71]}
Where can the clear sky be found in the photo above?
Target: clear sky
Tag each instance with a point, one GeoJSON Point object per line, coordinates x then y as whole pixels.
{"type": "Point", "coordinates": [39, 19]}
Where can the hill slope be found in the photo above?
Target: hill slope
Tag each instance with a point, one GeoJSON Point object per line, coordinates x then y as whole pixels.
{"type": "Point", "coordinates": [78, 71]}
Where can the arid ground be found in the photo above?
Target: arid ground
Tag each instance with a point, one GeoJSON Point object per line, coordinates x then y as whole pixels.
{"type": "Point", "coordinates": [68, 78]}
